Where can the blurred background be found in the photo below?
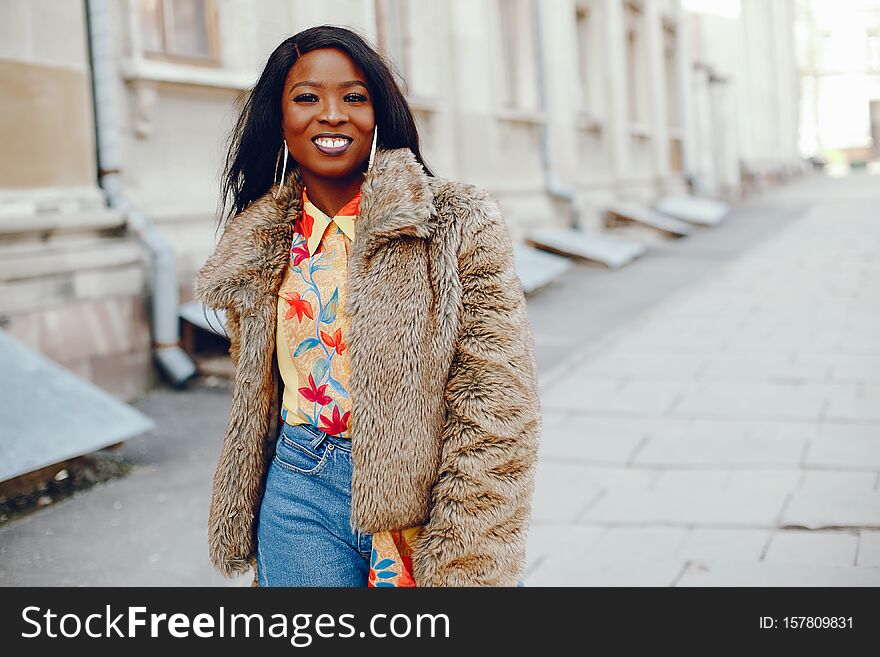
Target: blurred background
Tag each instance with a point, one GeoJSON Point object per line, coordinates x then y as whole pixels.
{"type": "Point", "coordinates": [691, 189]}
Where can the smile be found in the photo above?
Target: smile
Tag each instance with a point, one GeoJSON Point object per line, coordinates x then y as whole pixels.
{"type": "Point", "coordinates": [332, 145]}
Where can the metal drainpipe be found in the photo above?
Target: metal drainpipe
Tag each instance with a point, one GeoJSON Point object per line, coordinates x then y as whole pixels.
{"type": "Point", "coordinates": [172, 360]}
{"type": "Point", "coordinates": [554, 185]}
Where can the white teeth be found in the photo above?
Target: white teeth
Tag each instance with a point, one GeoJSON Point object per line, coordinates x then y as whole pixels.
{"type": "Point", "coordinates": [326, 142]}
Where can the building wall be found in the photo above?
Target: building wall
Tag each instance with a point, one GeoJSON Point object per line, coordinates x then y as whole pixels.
{"type": "Point", "coordinates": [72, 282]}
{"type": "Point", "coordinates": [743, 86]}
{"type": "Point", "coordinates": [632, 112]}
{"type": "Point", "coordinates": [839, 61]}
{"type": "Point", "coordinates": [45, 117]}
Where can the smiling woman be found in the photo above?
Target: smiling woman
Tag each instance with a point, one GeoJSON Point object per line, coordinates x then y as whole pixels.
{"type": "Point", "coordinates": [328, 123]}
{"type": "Point", "coordinates": [385, 414]}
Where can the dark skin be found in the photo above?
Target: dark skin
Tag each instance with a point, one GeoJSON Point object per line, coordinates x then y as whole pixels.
{"type": "Point", "coordinates": [326, 91]}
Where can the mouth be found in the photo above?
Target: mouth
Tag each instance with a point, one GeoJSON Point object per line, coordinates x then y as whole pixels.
{"type": "Point", "coordinates": [332, 144]}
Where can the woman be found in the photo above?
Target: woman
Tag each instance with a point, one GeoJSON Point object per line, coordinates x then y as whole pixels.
{"type": "Point", "coordinates": [385, 415]}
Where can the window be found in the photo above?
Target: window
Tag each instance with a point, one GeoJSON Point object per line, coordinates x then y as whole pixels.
{"type": "Point", "coordinates": [184, 30]}
{"type": "Point", "coordinates": [516, 55]}
{"type": "Point", "coordinates": [636, 65]}
{"type": "Point", "coordinates": [509, 37]}
{"type": "Point", "coordinates": [392, 18]}
{"type": "Point", "coordinates": [673, 114]}
{"type": "Point", "coordinates": [589, 54]}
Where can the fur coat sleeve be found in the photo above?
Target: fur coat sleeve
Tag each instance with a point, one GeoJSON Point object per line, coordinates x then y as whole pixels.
{"type": "Point", "coordinates": [481, 501]}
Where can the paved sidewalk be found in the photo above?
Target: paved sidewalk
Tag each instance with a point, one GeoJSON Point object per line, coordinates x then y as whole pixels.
{"type": "Point", "coordinates": [731, 434]}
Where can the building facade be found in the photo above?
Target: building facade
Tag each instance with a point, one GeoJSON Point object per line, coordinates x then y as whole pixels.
{"type": "Point", "coordinates": [619, 99]}
{"type": "Point", "coordinates": [839, 59]}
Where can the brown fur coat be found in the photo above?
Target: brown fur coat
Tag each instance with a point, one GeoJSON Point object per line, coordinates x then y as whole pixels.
{"type": "Point", "coordinates": [444, 399]}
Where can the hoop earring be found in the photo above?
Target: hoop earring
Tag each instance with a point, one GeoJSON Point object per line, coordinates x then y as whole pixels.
{"type": "Point", "coordinates": [373, 148]}
{"type": "Point", "coordinates": [283, 169]}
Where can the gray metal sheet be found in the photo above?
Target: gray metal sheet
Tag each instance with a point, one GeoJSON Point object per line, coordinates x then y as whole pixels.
{"type": "Point", "coordinates": [693, 209]}
{"type": "Point", "coordinates": [648, 217]}
{"type": "Point", "coordinates": [611, 251]}
{"type": "Point", "coordinates": [537, 268]}
{"type": "Point", "coordinates": [48, 414]}
{"type": "Point", "coordinates": [194, 312]}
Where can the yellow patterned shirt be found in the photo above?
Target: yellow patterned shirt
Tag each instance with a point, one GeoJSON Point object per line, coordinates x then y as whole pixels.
{"type": "Point", "coordinates": [312, 326]}
{"type": "Point", "coordinates": [312, 358]}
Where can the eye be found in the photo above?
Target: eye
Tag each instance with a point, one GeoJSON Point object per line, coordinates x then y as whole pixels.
{"type": "Point", "coordinates": [309, 98]}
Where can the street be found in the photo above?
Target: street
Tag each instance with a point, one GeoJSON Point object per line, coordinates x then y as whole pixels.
{"type": "Point", "coordinates": [711, 417]}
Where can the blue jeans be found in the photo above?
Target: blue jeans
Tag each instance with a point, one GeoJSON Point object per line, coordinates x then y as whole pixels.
{"type": "Point", "coordinates": [303, 533]}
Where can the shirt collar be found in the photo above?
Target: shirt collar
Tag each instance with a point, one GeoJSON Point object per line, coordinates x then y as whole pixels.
{"type": "Point", "coordinates": [344, 219]}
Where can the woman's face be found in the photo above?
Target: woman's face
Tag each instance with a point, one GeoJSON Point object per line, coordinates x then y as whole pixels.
{"type": "Point", "coordinates": [326, 94]}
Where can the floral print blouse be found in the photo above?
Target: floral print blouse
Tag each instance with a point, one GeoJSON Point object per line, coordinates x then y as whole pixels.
{"type": "Point", "coordinates": [312, 359]}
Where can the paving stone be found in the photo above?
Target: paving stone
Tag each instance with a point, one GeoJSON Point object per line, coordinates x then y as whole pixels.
{"type": "Point", "coordinates": [710, 544]}
{"type": "Point", "coordinates": [597, 448]}
{"type": "Point", "coordinates": [612, 427]}
{"type": "Point", "coordinates": [637, 544]}
{"type": "Point", "coordinates": [853, 408]}
{"type": "Point", "coordinates": [840, 482]}
{"type": "Point", "coordinates": [775, 574]}
{"type": "Point", "coordinates": [846, 452]}
{"type": "Point", "coordinates": [846, 367]}
{"type": "Point", "coordinates": [558, 572]}
{"type": "Point", "coordinates": [731, 452]}
{"type": "Point", "coordinates": [824, 548]}
{"type": "Point", "coordinates": [561, 540]}
{"type": "Point", "coordinates": [648, 365]}
{"type": "Point", "coordinates": [749, 508]}
{"type": "Point", "coordinates": [759, 400]}
{"type": "Point", "coordinates": [833, 431]}
{"type": "Point", "coordinates": [673, 479]}
{"type": "Point", "coordinates": [561, 492]}
{"type": "Point", "coordinates": [767, 367]}
{"type": "Point", "coordinates": [621, 556]}
{"type": "Point", "coordinates": [869, 549]}
{"type": "Point", "coordinates": [815, 509]}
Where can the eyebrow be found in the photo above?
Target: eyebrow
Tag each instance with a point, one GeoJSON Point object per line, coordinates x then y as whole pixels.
{"type": "Point", "coordinates": [319, 85]}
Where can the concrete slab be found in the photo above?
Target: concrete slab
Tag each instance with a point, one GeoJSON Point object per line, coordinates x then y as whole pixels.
{"type": "Point", "coordinates": [194, 312]}
{"type": "Point", "coordinates": [693, 209]}
{"type": "Point", "coordinates": [608, 250]}
{"type": "Point", "coordinates": [537, 268]}
{"type": "Point", "coordinates": [623, 212]}
{"type": "Point", "coordinates": [48, 414]}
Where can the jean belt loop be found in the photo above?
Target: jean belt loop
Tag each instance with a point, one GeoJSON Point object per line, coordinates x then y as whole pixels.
{"type": "Point", "coordinates": [317, 438]}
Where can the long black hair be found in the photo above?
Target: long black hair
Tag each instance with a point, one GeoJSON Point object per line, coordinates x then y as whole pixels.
{"type": "Point", "coordinates": [257, 136]}
{"type": "Point", "coordinates": [255, 140]}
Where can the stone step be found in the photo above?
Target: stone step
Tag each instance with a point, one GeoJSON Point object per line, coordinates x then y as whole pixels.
{"type": "Point", "coordinates": [19, 261]}
{"type": "Point", "coordinates": [44, 223]}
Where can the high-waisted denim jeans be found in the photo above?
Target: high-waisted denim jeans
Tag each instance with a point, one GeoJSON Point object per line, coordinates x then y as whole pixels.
{"type": "Point", "coordinates": [303, 533]}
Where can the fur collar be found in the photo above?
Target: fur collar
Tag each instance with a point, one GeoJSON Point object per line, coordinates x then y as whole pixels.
{"type": "Point", "coordinates": [251, 257]}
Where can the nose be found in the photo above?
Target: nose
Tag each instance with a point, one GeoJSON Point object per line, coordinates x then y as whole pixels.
{"type": "Point", "coordinates": [333, 112]}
